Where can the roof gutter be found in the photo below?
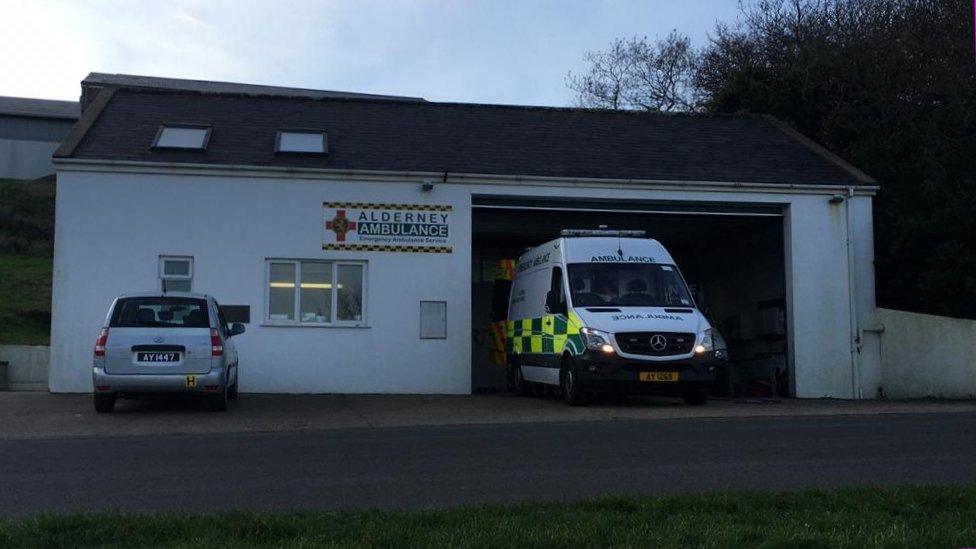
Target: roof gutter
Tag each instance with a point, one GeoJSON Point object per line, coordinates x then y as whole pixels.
{"type": "Point", "coordinates": [218, 170]}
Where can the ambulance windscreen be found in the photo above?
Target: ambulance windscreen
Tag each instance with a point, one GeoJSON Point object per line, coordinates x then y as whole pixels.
{"type": "Point", "coordinates": [627, 285]}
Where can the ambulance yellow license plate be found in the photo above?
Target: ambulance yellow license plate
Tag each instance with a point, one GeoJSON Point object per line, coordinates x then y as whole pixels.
{"type": "Point", "coordinates": [658, 376]}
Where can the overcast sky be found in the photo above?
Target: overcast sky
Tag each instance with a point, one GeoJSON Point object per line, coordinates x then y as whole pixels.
{"type": "Point", "coordinates": [490, 51]}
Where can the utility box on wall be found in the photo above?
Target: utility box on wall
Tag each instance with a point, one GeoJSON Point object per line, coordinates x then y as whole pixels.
{"type": "Point", "coordinates": [433, 320]}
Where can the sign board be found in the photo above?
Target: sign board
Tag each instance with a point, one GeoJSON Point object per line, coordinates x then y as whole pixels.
{"type": "Point", "coordinates": [386, 227]}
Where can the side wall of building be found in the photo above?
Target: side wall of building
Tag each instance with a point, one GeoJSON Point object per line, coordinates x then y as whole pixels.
{"type": "Point", "coordinates": [27, 143]}
{"type": "Point", "coordinates": [868, 339]}
{"type": "Point", "coordinates": [21, 159]}
{"type": "Point", "coordinates": [112, 227]}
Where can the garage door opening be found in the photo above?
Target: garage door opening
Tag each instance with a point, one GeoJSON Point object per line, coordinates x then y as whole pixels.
{"type": "Point", "coordinates": [732, 258]}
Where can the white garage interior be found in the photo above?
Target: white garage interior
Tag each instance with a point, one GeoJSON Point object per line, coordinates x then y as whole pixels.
{"type": "Point", "coordinates": [732, 256]}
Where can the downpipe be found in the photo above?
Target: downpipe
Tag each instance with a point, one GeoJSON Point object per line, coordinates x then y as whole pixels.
{"type": "Point", "coordinates": [855, 332]}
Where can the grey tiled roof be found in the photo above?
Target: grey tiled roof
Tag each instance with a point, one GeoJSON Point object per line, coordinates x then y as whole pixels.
{"type": "Point", "coordinates": [38, 108]}
{"type": "Point", "coordinates": [466, 138]}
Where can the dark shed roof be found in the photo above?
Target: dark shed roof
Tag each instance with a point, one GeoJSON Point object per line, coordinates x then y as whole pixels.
{"type": "Point", "coordinates": [367, 134]}
{"type": "Point", "coordinates": [97, 80]}
{"type": "Point", "coordinates": [38, 108]}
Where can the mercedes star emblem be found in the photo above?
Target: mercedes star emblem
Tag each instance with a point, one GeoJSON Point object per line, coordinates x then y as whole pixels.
{"type": "Point", "coordinates": [658, 342]}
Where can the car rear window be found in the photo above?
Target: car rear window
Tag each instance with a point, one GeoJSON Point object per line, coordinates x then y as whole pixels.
{"type": "Point", "coordinates": [160, 312]}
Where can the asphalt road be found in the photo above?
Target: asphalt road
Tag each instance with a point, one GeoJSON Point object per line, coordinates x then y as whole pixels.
{"type": "Point", "coordinates": [411, 467]}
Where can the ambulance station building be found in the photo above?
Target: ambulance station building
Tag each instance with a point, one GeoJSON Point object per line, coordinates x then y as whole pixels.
{"type": "Point", "coordinates": [359, 236]}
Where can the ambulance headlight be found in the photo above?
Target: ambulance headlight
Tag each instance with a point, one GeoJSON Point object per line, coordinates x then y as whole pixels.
{"type": "Point", "coordinates": [596, 340]}
{"type": "Point", "coordinates": [705, 343]}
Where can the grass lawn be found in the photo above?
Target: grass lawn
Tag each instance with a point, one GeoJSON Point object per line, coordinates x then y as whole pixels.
{"type": "Point", "coordinates": [25, 300]}
{"type": "Point", "coordinates": [862, 517]}
{"type": "Point", "coordinates": [27, 217]}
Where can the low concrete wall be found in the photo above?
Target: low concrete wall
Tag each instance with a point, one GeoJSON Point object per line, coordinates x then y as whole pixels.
{"type": "Point", "coordinates": [927, 355]}
{"type": "Point", "coordinates": [26, 366]}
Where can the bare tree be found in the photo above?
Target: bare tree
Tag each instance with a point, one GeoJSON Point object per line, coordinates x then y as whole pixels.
{"type": "Point", "coordinates": [639, 74]}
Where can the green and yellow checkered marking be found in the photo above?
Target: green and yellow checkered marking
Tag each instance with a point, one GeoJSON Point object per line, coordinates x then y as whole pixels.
{"type": "Point", "coordinates": [549, 334]}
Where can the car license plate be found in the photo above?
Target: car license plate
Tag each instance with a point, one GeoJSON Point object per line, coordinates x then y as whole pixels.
{"type": "Point", "coordinates": [658, 376]}
{"type": "Point", "coordinates": [157, 357]}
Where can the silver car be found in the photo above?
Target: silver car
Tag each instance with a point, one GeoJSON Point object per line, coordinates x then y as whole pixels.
{"type": "Point", "coordinates": [172, 342]}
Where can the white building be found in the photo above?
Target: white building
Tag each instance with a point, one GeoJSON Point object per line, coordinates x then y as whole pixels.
{"type": "Point", "coordinates": [357, 234]}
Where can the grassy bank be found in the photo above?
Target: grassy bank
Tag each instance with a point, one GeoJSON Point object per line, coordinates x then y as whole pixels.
{"type": "Point", "coordinates": [864, 517]}
{"type": "Point", "coordinates": [27, 217]}
{"type": "Point", "coordinates": [26, 244]}
{"type": "Point", "coordinates": [25, 300]}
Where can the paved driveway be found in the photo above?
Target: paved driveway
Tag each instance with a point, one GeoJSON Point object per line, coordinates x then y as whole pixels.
{"type": "Point", "coordinates": [41, 415]}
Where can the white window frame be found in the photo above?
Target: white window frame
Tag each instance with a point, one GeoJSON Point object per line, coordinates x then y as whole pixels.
{"type": "Point", "coordinates": [334, 312]}
{"type": "Point", "coordinates": [162, 270]}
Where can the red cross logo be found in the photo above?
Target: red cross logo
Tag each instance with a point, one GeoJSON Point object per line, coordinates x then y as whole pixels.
{"type": "Point", "coordinates": [341, 225]}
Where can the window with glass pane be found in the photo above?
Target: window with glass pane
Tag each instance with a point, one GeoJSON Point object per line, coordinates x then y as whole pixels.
{"type": "Point", "coordinates": [178, 137]}
{"type": "Point", "coordinates": [281, 294]}
{"type": "Point", "coordinates": [175, 274]}
{"type": "Point", "coordinates": [301, 142]}
{"type": "Point", "coordinates": [177, 267]}
{"type": "Point", "coordinates": [349, 296]}
{"type": "Point", "coordinates": [316, 292]}
{"type": "Point", "coordinates": [176, 285]}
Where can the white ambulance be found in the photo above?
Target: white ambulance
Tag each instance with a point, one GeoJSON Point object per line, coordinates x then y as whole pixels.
{"type": "Point", "coordinates": [601, 311]}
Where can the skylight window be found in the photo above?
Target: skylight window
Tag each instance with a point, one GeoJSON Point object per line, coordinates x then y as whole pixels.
{"type": "Point", "coordinates": [174, 136]}
{"type": "Point", "coordinates": [301, 141]}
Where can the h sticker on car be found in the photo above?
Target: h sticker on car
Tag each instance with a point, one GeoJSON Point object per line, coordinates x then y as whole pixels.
{"type": "Point", "coordinates": [191, 382]}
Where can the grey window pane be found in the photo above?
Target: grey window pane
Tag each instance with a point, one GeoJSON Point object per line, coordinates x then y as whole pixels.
{"type": "Point", "coordinates": [316, 299]}
{"type": "Point", "coordinates": [178, 267]}
{"type": "Point", "coordinates": [349, 300]}
{"type": "Point", "coordinates": [182, 138]}
{"type": "Point", "coordinates": [301, 142]}
{"type": "Point", "coordinates": [281, 294]}
{"type": "Point", "coordinates": [176, 285]}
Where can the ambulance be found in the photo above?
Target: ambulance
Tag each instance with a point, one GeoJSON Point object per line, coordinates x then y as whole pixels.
{"type": "Point", "coordinates": [603, 311]}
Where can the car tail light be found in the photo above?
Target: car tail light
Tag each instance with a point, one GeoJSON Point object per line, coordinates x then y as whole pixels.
{"type": "Point", "coordinates": [216, 347]}
{"type": "Point", "coordinates": [100, 343]}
